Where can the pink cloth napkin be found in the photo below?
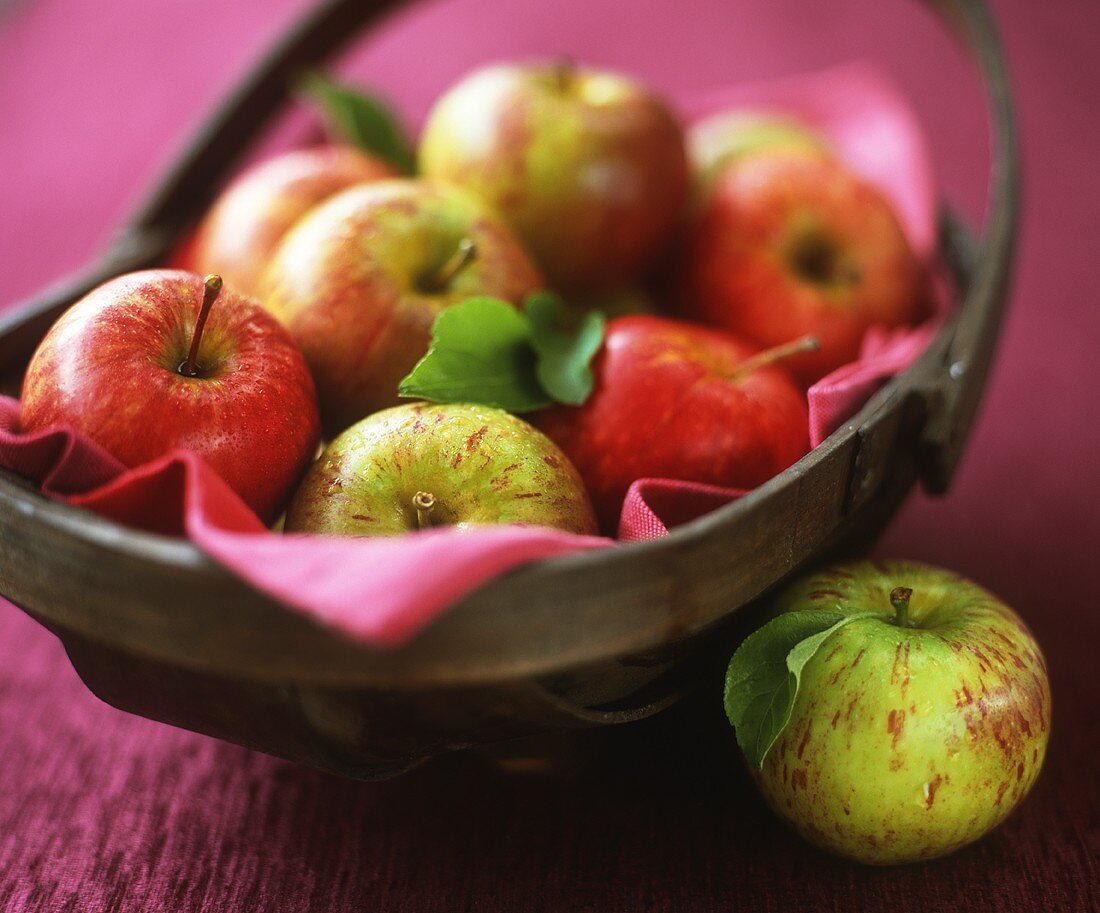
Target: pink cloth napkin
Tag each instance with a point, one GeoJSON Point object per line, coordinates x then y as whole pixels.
{"type": "Point", "coordinates": [382, 591]}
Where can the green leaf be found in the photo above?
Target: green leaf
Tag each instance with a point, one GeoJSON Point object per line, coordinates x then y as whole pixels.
{"type": "Point", "coordinates": [361, 119]}
{"type": "Point", "coordinates": [763, 676]}
{"type": "Point", "coordinates": [564, 353]}
{"type": "Point", "coordinates": [481, 352]}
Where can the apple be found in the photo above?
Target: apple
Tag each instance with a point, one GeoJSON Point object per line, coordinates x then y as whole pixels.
{"type": "Point", "coordinates": [914, 731]}
{"type": "Point", "coordinates": [589, 167]}
{"type": "Point", "coordinates": [360, 280]}
{"type": "Point", "coordinates": [145, 364]}
{"type": "Point", "coordinates": [720, 139]}
{"type": "Point", "coordinates": [423, 465]}
{"type": "Point", "coordinates": [680, 401]}
{"type": "Point", "coordinates": [238, 235]}
{"type": "Point", "coordinates": [790, 243]}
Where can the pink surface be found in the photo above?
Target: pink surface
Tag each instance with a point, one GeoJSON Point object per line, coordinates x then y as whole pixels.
{"type": "Point", "coordinates": [101, 811]}
{"type": "Point", "coordinates": [382, 591]}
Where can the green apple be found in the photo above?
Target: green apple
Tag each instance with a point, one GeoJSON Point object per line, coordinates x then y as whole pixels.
{"type": "Point", "coordinates": [919, 710]}
{"type": "Point", "coordinates": [589, 167]}
{"type": "Point", "coordinates": [423, 465]}
{"type": "Point", "coordinates": [720, 139]}
{"type": "Point", "coordinates": [360, 279]}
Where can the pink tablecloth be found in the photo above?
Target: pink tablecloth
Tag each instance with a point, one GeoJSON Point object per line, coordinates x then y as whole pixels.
{"type": "Point", "coordinates": [103, 812]}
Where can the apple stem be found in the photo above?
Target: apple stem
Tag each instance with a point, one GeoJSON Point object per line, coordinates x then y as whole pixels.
{"type": "Point", "coordinates": [776, 354]}
{"type": "Point", "coordinates": [423, 501]}
{"type": "Point", "coordinates": [899, 599]}
{"type": "Point", "coordinates": [462, 257]}
{"type": "Point", "coordinates": [565, 68]}
{"type": "Point", "coordinates": [212, 286]}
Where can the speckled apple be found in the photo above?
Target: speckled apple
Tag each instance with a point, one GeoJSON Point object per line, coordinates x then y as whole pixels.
{"type": "Point", "coordinates": [424, 465]}
{"type": "Point", "coordinates": [671, 402]}
{"type": "Point", "coordinates": [909, 741]}
{"type": "Point", "coordinates": [790, 243]}
{"type": "Point", "coordinates": [239, 234]}
{"type": "Point", "coordinates": [360, 280]}
{"type": "Point", "coordinates": [589, 167]}
{"type": "Point", "coordinates": [110, 368]}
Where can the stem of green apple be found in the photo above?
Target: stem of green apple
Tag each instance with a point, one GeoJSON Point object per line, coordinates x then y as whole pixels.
{"type": "Point", "coordinates": [462, 257]}
{"type": "Point", "coordinates": [899, 599]}
{"type": "Point", "coordinates": [773, 355]}
{"type": "Point", "coordinates": [565, 68]}
{"type": "Point", "coordinates": [212, 287]}
{"type": "Point", "coordinates": [423, 501]}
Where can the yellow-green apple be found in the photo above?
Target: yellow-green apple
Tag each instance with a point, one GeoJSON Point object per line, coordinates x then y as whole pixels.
{"type": "Point", "coordinates": [238, 235]}
{"type": "Point", "coordinates": [145, 364]}
{"type": "Point", "coordinates": [423, 465]}
{"type": "Point", "coordinates": [918, 723]}
{"type": "Point", "coordinates": [790, 243]}
{"type": "Point", "coordinates": [720, 139]}
{"type": "Point", "coordinates": [360, 280]}
{"type": "Point", "coordinates": [680, 401]}
{"type": "Point", "coordinates": [589, 167]}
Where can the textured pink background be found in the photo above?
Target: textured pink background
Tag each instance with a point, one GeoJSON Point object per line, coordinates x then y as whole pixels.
{"type": "Point", "coordinates": [99, 811]}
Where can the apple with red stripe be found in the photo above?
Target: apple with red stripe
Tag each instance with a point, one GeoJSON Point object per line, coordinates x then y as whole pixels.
{"type": "Point", "coordinates": [680, 401]}
{"type": "Point", "coordinates": [145, 364]}
{"type": "Point", "coordinates": [359, 281]}
{"type": "Point", "coordinates": [788, 242]}
{"type": "Point", "coordinates": [891, 711]}
{"type": "Point", "coordinates": [587, 166]}
{"type": "Point", "coordinates": [239, 234]}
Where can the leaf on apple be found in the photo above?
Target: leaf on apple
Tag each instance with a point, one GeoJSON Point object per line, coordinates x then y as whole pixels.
{"type": "Point", "coordinates": [764, 674]}
{"type": "Point", "coordinates": [485, 351]}
{"type": "Point", "coordinates": [564, 354]}
{"type": "Point", "coordinates": [480, 353]}
{"type": "Point", "coordinates": [362, 119]}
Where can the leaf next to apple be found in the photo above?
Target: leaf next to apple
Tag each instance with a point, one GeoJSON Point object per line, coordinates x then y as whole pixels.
{"type": "Point", "coordinates": [158, 360]}
{"type": "Point", "coordinates": [890, 711]}
{"type": "Point", "coordinates": [425, 465]}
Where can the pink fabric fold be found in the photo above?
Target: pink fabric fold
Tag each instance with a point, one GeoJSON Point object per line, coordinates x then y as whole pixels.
{"type": "Point", "coordinates": [381, 592]}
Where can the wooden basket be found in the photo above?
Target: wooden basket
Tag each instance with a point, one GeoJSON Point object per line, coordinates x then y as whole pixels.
{"type": "Point", "coordinates": [156, 628]}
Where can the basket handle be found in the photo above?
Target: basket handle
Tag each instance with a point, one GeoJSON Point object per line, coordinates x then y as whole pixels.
{"type": "Point", "coordinates": [187, 189]}
{"type": "Point", "coordinates": [954, 401]}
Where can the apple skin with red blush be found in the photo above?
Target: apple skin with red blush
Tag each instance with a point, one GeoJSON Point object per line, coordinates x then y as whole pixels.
{"type": "Point", "coordinates": [111, 368]}
{"type": "Point", "coordinates": [239, 234]}
{"type": "Point", "coordinates": [361, 279]}
{"type": "Point", "coordinates": [790, 243]}
{"type": "Point", "coordinates": [587, 166]}
{"type": "Point", "coordinates": [670, 402]}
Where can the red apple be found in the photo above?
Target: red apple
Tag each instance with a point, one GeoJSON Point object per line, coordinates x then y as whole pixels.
{"type": "Point", "coordinates": [675, 400]}
{"type": "Point", "coordinates": [589, 167]}
{"type": "Point", "coordinates": [360, 280]}
{"type": "Point", "coordinates": [791, 243]}
{"type": "Point", "coordinates": [249, 219]}
{"type": "Point", "coordinates": [144, 365]}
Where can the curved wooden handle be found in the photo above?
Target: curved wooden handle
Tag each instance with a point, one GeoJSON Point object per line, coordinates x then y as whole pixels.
{"type": "Point", "coordinates": [954, 404]}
